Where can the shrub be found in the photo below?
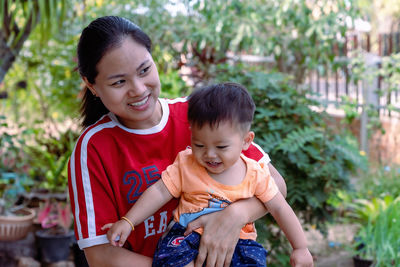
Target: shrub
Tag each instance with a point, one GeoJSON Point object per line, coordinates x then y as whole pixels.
{"type": "Point", "coordinates": [314, 159]}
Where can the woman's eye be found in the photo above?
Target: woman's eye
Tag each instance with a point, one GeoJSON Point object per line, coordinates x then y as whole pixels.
{"type": "Point", "coordinates": [145, 70]}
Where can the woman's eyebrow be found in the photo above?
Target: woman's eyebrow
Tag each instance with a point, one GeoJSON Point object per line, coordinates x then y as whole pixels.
{"type": "Point", "coordinates": [116, 76]}
{"type": "Point", "coordinates": [124, 74]}
{"type": "Point", "coordinates": [141, 65]}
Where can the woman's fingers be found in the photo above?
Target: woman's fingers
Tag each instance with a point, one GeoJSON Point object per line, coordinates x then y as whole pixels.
{"type": "Point", "coordinates": [229, 255]}
{"type": "Point", "coordinates": [201, 257]}
{"type": "Point", "coordinates": [198, 223]}
{"type": "Point", "coordinates": [218, 240]}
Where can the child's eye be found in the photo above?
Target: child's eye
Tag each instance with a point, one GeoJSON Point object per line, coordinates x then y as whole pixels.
{"type": "Point", "coordinates": [118, 82]}
{"type": "Point", "coordinates": [221, 147]}
{"type": "Point", "coordinates": [198, 145]}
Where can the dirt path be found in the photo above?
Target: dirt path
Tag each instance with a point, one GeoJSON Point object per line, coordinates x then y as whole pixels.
{"type": "Point", "coordinates": [330, 251]}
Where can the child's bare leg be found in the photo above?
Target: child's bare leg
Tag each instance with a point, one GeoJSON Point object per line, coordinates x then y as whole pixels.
{"type": "Point", "coordinates": [190, 264]}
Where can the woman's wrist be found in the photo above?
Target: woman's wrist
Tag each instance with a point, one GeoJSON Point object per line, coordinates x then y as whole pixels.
{"type": "Point", "coordinates": [239, 212]}
{"type": "Point", "coordinates": [247, 210]}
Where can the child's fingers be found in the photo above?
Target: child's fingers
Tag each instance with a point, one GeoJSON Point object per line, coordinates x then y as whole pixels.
{"type": "Point", "coordinates": [123, 238]}
{"type": "Point", "coordinates": [115, 241]}
{"type": "Point", "coordinates": [106, 226]}
{"type": "Point", "coordinates": [115, 238]}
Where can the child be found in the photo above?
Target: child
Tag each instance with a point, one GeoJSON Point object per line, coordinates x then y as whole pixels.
{"type": "Point", "coordinates": [208, 177]}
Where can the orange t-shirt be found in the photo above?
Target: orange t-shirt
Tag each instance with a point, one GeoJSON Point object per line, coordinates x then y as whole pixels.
{"type": "Point", "coordinates": [200, 194]}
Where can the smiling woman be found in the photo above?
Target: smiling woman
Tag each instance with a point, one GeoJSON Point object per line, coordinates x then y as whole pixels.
{"type": "Point", "coordinates": [128, 85]}
{"type": "Point", "coordinates": [131, 136]}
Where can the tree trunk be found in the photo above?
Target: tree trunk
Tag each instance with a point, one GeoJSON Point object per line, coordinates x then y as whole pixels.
{"type": "Point", "coordinates": [7, 57]}
{"type": "Point", "coordinates": [12, 37]}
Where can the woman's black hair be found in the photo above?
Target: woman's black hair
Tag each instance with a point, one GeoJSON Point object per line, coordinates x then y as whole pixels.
{"type": "Point", "coordinates": [96, 40]}
{"type": "Point", "coordinates": [221, 102]}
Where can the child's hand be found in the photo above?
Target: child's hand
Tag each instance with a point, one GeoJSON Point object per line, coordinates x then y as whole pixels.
{"type": "Point", "coordinates": [301, 258]}
{"type": "Point", "coordinates": [118, 232]}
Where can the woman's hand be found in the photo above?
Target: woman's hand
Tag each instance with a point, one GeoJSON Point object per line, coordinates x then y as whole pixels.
{"type": "Point", "coordinates": [222, 230]}
{"type": "Point", "coordinates": [220, 236]}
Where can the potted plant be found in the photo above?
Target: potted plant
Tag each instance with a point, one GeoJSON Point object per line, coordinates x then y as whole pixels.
{"type": "Point", "coordinates": [55, 236]}
{"type": "Point", "coordinates": [377, 240]}
{"type": "Point", "coordinates": [15, 218]}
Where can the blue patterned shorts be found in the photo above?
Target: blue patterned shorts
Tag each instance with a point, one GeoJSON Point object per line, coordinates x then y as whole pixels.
{"type": "Point", "coordinates": [177, 250]}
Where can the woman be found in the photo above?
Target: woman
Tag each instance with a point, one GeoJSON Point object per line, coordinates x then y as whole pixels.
{"type": "Point", "coordinates": [131, 136]}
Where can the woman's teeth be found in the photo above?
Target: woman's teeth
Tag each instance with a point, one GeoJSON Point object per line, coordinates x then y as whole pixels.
{"type": "Point", "coordinates": [136, 104]}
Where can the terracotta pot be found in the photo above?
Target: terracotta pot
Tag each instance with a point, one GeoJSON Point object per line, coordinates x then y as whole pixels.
{"type": "Point", "coordinates": [16, 227]}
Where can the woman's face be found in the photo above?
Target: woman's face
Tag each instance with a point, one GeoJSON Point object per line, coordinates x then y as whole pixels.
{"type": "Point", "coordinates": [128, 85]}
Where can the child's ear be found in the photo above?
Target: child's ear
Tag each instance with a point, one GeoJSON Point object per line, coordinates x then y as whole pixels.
{"type": "Point", "coordinates": [249, 137]}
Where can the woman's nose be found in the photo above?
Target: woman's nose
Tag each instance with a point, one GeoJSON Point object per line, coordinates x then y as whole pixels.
{"type": "Point", "coordinates": [137, 88]}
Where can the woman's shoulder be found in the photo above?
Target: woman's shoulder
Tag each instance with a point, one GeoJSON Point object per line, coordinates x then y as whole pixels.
{"type": "Point", "coordinates": [97, 129]}
{"type": "Point", "coordinates": [176, 105]}
{"type": "Point", "coordinates": [176, 109]}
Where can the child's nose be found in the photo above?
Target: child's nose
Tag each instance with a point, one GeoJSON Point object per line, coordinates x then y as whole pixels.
{"type": "Point", "coordinates": [210, 153]}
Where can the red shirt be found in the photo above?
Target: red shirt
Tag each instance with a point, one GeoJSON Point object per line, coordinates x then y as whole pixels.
{"type": "Point", "coordinates": [111, 166]}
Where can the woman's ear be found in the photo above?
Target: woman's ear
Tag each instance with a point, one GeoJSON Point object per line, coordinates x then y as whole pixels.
{"type": "Point", "coordinates": [89, 86]}
{"type": "Point", "coordinates": [248, 138]}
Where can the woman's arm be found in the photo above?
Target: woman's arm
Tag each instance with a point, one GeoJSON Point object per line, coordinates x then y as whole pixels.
{"type": "Point", "coordinates": [109, 256]}
{"type": "Point", "coordinates": [222, 230]}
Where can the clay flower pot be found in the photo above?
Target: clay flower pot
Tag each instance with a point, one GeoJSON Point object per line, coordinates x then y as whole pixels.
{"type": "Point", "coordinates": [17, 226]}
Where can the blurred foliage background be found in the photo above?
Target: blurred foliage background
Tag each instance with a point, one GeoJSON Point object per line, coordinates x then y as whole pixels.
{"type": "Point", "coordinates": [195, 43]}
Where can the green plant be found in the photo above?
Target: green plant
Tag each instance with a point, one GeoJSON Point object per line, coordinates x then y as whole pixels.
{"type": "Point", "coordinates": [378, 182]}
{"type": "Point", "coordinates": [12, 185]}
{"type": "Point", "coordinates": [379, 238]}
{"type": "Point", "coordinates": [390, 74]}
{"type": "Point", "coordinates": [13, 167]}
{"type": "Point", "coordinates": [50, 157]}
{"type": "Point", "coordinates": [314, 158]}
{"type": "Point", "coordinates": [363, 211]}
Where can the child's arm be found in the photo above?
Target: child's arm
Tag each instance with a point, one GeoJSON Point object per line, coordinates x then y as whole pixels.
{"type": "Point", "coordinates": [290, 225]}
{"type": "Point", "coordinates": [149, 202]}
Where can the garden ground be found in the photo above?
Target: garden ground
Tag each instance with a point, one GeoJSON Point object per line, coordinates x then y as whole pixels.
{"type": "Point", "coordinates": [330, 251]}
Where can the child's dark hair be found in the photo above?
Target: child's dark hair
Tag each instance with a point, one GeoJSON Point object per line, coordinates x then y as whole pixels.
{"type": "Point", "coordinates": [221, 102]}
{"type": "Point", "coordinates": [96, 40]}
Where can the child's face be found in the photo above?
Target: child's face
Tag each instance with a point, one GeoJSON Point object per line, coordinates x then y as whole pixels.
{"type": "Point", "coordinates": [219, 148]}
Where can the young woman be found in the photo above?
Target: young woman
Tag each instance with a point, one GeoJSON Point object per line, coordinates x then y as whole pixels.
{"type": "Point", "coordinates": [130, 137]}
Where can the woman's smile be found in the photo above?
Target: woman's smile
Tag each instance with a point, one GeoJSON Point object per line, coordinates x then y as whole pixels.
{"type": "Point", "coordinates": [139, 103]}
{"type": "Point", "coordinates": [129, 86]}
